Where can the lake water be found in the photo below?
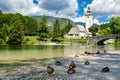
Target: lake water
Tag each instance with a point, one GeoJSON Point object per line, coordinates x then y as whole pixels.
{"type": "Point", "coordinates": [11, 54]}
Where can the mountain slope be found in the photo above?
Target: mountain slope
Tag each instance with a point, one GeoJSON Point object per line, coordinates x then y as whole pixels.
{"type": "Point", "coordinates": [50, 20]}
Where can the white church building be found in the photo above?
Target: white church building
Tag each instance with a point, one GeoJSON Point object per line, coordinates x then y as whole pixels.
{"type": "Point", "coordinates": [80, 31]}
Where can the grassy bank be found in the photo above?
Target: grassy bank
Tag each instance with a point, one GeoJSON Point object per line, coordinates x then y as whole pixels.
{"type": "Point", "coordinates": [33, 40]}
{"type": "Point", "coordinates": [30, 40]}
{"type": "Point", "coordinates": [80, 40]}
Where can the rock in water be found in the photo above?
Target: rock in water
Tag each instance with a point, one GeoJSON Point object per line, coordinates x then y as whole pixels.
{"type": "Point", "coordinates": [71, 71]}
{"type": "Point", "coordinates": [105, 69]}
{"type": "Point", "coordinates": [72, 65]}
{"type": "Point", "coordinates": [58, 63]}
{"type": "Point", "coordinates": [50, 70]}
{"type": "Point", "coordinates": [87, 63]}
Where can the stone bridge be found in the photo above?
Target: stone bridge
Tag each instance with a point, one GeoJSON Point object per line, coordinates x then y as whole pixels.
{"type": "Point", "coordinates": [99, 40]}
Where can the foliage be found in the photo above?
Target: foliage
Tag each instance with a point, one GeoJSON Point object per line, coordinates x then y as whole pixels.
{"type": "Point", "coordinates": [15, 23]}
{"type": "Point", "coordinates": [56, 30]}
{"type": "Point", "coordinates": [93, 30]}
{"type": "Point", "coordinates": [16, 33]}
{"type": "Point", "coordinates": [68, 26]}
{"type": "Point", "coordinates": [66, 29]}
{"type": "Point", "coordinates": [115, 25]}
{"type": "Point", "coordinates": [31, 26]}
{"type": "Point", "coordinates": [110, 28]}
{"type": "Point", "coordinates": [43, 31]}
{"type": "Point", "coordinates": [3, 34]}
{"type": "Point", "coordinates": [117, 41]}
{"type": "Point", "coordinates": [30, 40]}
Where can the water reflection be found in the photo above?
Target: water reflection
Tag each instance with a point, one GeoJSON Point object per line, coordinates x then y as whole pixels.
{"type": "Point", "coordinates": [48, 51]}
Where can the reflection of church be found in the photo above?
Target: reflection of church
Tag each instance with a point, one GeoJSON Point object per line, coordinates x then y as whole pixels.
{"type": "Point", "coordinates": [79, 30]}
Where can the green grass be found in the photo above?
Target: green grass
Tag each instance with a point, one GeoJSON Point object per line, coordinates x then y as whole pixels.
{"type": "Point", "coordinates": [30, 40]}
{"type": "Point", "coordinates": [33, 40]}
{"type": "Point", "coordinates": [80, 40]}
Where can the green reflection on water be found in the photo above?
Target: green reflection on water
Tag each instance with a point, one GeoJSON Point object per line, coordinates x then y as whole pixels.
{"type": "Point", "coordinates": [14, 53]}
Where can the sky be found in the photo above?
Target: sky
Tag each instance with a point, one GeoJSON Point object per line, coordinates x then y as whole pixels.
{"type": "Point", "coordinates": [102, 10]}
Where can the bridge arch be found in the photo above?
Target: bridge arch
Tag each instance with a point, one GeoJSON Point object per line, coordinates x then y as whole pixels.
{"type": "Point", "coordinates": [101, 42]}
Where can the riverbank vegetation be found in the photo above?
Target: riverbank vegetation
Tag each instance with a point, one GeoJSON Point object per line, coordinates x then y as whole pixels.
{"type": "Point", "coordinates": [15, 29]}
{"type": "Point", "coordinates": [113, 27]}
{"type": "Point", "coordinates": [81, 40]}
{"type": "Point", "coordinates": [28, 40]}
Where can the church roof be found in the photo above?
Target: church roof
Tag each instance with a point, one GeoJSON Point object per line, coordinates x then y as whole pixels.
{"type": "Point", "coordinates": [81, 28]}
{"type": "Point", "coordinates": [77, 29]}
{"type": "Point", "coordinates": [74, 30]}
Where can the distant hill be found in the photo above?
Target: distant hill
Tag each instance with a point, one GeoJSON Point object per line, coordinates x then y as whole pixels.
{"type": "Point", "coordinates": [79, 23]}
{"type": "Point", "coordinates": [83, 24]}
{"type": "Point", "coordinates": [50, 20]}
{"type": "Point", "coordinates": [63, 21]}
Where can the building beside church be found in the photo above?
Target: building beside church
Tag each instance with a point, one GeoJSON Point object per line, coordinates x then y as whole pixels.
{"type": "Point", "coordinates": [80, 31]}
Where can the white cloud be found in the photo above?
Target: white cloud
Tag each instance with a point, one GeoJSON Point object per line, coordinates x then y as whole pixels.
{"type": "Point", "coordinates": [95, 21]}
{"type": "Point", "coordinates": [113, 15]}
{"type": "Point", "coordinates": [54, 5]}
{"type": "Point", "coordinates": [71, 10]}
{"type": "Point", "coordinates": [79, 19]}
{"type": "Point", "coordinates": [102, 8]}
{"type": "Point", "coordinates": [82, 19]}
{"type": "Point", "coordinates": [60, 8]}
{"type": "Point", "coordinates": [63, 8]}
{"type": "Point", "coordinates": [22, 6]}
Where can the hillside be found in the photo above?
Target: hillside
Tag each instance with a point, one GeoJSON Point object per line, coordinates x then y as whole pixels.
{"type": "Point", "coordinates": [50, 20]}
{"type": "Point", "coordinates": [63, 21]}
{"type": "Point", "coordinates": [79, 23]}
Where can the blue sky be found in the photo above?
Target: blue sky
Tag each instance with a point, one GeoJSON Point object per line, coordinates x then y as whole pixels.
{"type": "Point", "coordinates": [102, 10]}
{"type": "Point", "coordinates": [82, 5]}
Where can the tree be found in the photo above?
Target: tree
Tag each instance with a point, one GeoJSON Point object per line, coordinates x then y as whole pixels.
{"type": "Point", "coordinates": [68, 26]}
{"type": "Point", "coordinates": [31, 26]}
{"type": "Point", "coordinates": [56, 30]}
{"type": "Point", "coordinates": [93, 30]}
{"type": "Point", "coordinates": [115, 25]}
{"type": "Point", "coordinates": [16, 33]}
{"type": "Point", "coordinates": [3, 34]}
{"type": "Point", "coordinates": [43, 31]}
{"type": "Point", "coordinates": [0, 12]}
{"type": "Point", "coordinates": [62, 32]}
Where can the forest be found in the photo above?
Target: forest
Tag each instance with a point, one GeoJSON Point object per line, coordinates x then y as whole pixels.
{"type": "Point", "coordinates": [14, 27]}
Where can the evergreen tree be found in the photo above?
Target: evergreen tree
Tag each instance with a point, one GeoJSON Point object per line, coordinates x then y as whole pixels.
{"type": "Point", "coordinates": [3, 34]}
{"type": "Point", "coordinates": [16, 33]}
{"type": "Point", "coordinates": [43, 31]}
{"type": "Point", "coordinates": [68, 26]}
{"type": "Point", "coordinates": [56, 31]}
{"type": "Point", "coordinates": [31, 26]}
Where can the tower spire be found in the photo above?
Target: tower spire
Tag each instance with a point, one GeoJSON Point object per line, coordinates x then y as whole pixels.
{"type": "Point", "coordinates": [88, 20]}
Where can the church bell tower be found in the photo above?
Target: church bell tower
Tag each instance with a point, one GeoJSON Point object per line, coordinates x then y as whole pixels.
{"type": "Point", "coordinates": [88, 19]}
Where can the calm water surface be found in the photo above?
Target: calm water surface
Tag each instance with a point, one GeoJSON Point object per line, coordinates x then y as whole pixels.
{"type": "Point", "coordinates": [48, 51]}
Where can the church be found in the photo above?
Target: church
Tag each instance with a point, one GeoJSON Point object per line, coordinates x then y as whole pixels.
{"type": "Point", "coordinates": [80, 31]}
